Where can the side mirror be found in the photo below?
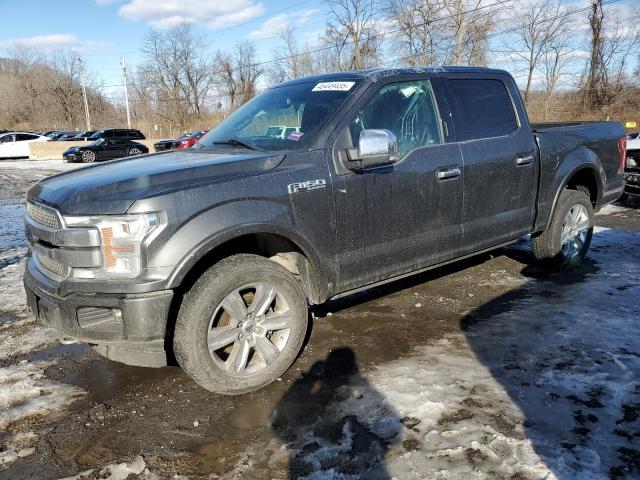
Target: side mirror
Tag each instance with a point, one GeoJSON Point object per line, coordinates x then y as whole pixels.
{"type": "Point", "coordinates": [376, 148]}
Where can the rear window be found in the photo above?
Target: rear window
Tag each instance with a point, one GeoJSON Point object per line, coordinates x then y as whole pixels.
{"type": "Point", "coordinates": [481, 109]}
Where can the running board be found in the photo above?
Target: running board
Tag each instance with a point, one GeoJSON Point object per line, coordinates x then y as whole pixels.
{"type": "Point", "coordinates": [422, 270]}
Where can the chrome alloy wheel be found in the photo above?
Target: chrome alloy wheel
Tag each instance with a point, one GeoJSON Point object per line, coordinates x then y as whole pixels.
{"type": "Point", "coordinates": [249, 329]}
{"type": "Point", "coordinates": [88, 156]}
{"type": "Point", "coordinates": [134, 151]}
{"type": "Point", "coordinates": [575, 228]}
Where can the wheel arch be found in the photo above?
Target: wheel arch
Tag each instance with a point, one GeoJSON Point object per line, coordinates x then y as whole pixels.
{"type": "Point", "coordinates": [274, 242]}
{"type": "Point", "coordinates": [585, 177]}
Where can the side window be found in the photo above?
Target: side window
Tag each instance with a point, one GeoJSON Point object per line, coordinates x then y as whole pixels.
{"type": "Point", "coordinates": [408, 109]}
{"type": "Point", "coordinates": [24, 136]}
{"type": "Point", "coordinates": [481, 109]}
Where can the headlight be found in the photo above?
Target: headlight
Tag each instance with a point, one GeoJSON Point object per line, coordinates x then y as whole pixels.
{"type": "Point", "coordinates": [121, 239]}
{"type": "Point", "coordinates": [631, 162]}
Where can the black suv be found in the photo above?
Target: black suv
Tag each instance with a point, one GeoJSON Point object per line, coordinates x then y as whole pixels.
{"type": "Point", "coordinates": [127, 133]}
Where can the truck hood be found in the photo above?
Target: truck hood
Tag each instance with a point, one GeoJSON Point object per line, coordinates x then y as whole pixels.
{"type": "Point", "coordinates": [111, 187]}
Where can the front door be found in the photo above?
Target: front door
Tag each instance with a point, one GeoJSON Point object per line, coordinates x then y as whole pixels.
{"type": "Point", "coordinates": [397, 219]}
{"type": "Point", "coordinates": [500, 160]}
{"type": "Point", "coordinates": [113, 148]}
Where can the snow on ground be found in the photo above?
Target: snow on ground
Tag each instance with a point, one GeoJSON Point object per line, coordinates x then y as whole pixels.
{"type": "Point", "coordinates": [38, 165]}
{"type": "Point", "coordinates": [120, 471]}
{"type": "Point", "coordinates": [25, 392]}
{"type": "Point", "coordinates": [542, 382]}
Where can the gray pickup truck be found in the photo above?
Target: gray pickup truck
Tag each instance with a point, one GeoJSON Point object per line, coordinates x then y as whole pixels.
{"type": "Point", "coordinates": [214, 254]}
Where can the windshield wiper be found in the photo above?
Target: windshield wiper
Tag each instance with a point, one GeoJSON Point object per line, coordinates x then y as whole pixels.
{"type": "Point", "coordinates": [235, 143]}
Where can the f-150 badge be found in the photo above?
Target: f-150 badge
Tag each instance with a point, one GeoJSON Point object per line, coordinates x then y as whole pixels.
{"type": "Point", "coordinates": [307, 186]}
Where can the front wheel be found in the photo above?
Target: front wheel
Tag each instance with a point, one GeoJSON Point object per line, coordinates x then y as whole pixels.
{"type": "Point", "coordinates": [566, 241]}
{"type": "Point", "coordinates": [88, 156]}
{"type": "Point", "coordinates": [134, 151]}
{"type": "Point", "coordinates": [241, 325]}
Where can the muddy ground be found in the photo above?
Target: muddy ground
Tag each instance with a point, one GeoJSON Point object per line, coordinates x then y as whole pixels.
{"type": "Point", "coordinates": [488, 368]}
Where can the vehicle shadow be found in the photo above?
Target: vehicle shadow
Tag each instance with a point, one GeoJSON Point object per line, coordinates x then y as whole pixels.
{"type": "Point", "coordinates": [563, 348]}
{"type": "Point", "coordinates": [334, 422]}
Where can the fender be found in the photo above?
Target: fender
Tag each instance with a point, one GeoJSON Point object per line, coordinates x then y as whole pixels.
{"type": "Point", "coordinates": [579, 159]}
{"type": "Point", "coordinates": [222, 223]}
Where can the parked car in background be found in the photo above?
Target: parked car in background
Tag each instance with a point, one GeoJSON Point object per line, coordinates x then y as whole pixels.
{"type": "Point", "coordinates": [189, 141]}
{"type": "Point", "coordinates": [126, 133]}
{"type": "Point", "coordinates": [80, 137]}
{"type": "Point", "coordinates": [280, 131]}
{"type": "Point", "coordinates": [67, 136]}
{"type": "Point", "coordinates": [183, 141]}
{"type": "Point", "coordinates": [632, 167]}
{"type": "Point", "coordinates": [55, 136]}
{"type": "Point", "coordinates": [104, 149]}
{"type": "Point", "coordinates": [164, 145]}
{"type": "Point", "coordinates": [16, 144]}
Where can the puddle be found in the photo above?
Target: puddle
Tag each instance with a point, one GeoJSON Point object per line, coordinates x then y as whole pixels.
{"type": "Point", "coordinates": [12, 233]}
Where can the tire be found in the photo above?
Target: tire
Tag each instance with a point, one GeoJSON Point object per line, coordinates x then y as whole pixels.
{"type": "Point", "coordinates": [88, 156]}
{"type": "Point", "coordinates": [135, 151]}
{"type": "Point", "coordinates": [212, 315]}
{"type": "Point", "coordinates": [567, 240]}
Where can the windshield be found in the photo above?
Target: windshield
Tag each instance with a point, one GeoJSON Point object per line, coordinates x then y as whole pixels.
{"type": "Point", "coordinates": [282, 118]}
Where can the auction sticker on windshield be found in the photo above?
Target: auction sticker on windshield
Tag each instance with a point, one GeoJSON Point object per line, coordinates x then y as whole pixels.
{"type": "Point", "coordinates": [333, 86]}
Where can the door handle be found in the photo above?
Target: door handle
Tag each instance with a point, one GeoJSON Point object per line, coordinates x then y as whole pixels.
{"type": "Point", "coordinates": [520, 161]}
{"type": "Point", "coordinates": [446, 173]}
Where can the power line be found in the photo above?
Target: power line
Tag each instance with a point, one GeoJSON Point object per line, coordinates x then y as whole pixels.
{"type": "Point", "coordinates": [512, 29]}
{"type": "Point", "coordinates": [341, 44]}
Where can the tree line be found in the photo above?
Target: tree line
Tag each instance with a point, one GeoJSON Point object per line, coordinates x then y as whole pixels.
{"type": "Point", "coordinates": [571, 62]}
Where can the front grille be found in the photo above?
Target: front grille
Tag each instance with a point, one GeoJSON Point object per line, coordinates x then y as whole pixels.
{"type": "Point", "coordinates": [51, 265]}
{"type": "Point", "coordinates": [45, 216]}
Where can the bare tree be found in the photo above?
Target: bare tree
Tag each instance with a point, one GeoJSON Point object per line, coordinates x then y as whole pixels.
{"type": "Point", "coordinates": [555, 60]}
{"type": "Point", "coordinates": [178, 69]}
{"type": "Point", "coordinates": [352, 25]}
{"type": "Point", "coordinates": [612, 40]}
{"type": "Point", "coordinates": [540, 23]}
{"type": "Point", "coordinates": [238, 74]}
{"type": "Point", "coordinates": [292, 61]}
{"type": "Point", "coordinates": [419, 31]}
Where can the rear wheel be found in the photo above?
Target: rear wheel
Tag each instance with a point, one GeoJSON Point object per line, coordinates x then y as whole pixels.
{"type": "Point", "coordinates": [241, 325]}
{"type": "Point", "coordinates": [134, 151]}
{"type": "Point", "coordinates": [88, 156]}
{"type": "Point", "coordinates": [567, 240]}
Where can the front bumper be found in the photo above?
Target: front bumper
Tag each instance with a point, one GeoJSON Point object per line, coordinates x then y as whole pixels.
{"type": "Point", "coordinates": [632, 186]}
{"type": "Point", "coordinates": [128, 328]}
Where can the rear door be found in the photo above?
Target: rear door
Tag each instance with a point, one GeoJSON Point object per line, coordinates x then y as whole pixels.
{"type": "Point", "coordinates": [400, 218]}
{"type": "Point", "coordinates": [500, 162]}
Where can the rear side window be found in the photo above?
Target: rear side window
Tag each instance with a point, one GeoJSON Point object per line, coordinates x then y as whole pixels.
{"type": "Point", "coordinates": [481, 109]}
{"type": "Point", "coordinates": [25, 136]}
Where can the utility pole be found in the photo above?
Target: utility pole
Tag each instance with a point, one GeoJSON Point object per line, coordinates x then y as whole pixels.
{"type": "Point", "coordinates": [126, 92]}
{"type": "Point", "coordinates": [84, 95]}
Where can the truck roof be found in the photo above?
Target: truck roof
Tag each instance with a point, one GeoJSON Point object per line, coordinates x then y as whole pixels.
{"type": "Point", "coordinates": [377, 73]}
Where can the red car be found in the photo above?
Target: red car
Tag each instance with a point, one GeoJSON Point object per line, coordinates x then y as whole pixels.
{"type": "Point", "coordinates": [188, 141]}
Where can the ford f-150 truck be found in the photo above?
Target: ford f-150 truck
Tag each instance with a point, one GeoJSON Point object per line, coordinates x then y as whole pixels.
{"type": "Point", "coordinates": [214, 254]}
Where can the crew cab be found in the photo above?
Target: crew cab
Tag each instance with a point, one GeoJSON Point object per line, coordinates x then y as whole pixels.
{"type": "Point", "coordinates": [215, 253]}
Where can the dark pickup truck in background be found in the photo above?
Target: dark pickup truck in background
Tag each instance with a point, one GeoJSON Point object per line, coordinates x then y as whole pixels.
{"type": "Point", "coordinates": [214, 253]}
